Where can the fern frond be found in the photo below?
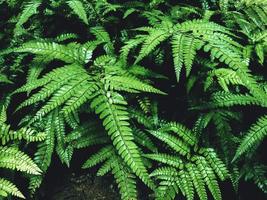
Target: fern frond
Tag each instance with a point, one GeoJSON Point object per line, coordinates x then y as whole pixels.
{"type": "Point", "coordinates": [228, 99]}
{"type": "Point", "coordinates": [197, 180]}
{"type": "Point", "coordinates": [99, 157]}
{"type": "Point", "coordinates": [63, 95]}
{"type": "Point", "coordinates": [177, 51]}
{"type": "Point", "coordinates": [255, 135]}
{"type": "Point", "coordinates": [64, 152]}
{"type": "Point", "coordinates": [27, 134]}
{"type": "Point", "coordinates": [128, 83]}
{"type": "Point", "coordinates": [176, 144]}
{"type": "Point", "coordinates": [171, 160]}
{"type": "Point", "coordinates": [35, 183]}
{"type": "Point", "coordinates": [130, 44]}
{"type": "Point", "coordinates": [54, 50]}
{"type": "Point", "coordinates": [90, 140]}
{"type": "Point", "coordinates": [209, 177]}
{"type": "Point", "coordinates": [190, 46]}
{"type": "Point", "coordinates": [126, 181]}
{"type": "Point", "coordinates": [141, 118]}
{"type": "Point", "coordinates": [14, 159]}
{"type": "Point", "coordinates": [78, 9]}
{"type": "Point", "coordinates": [225, 77]}
{"type": "Point", "coordinates": [58, 74]}
{"type": "Point", "coordinates": [66, 36]}
{"type": "Point", "coordinates": [37, 66]}
{"type": "Point", "coordinates": [151, 42]}
{"type": "Point", "coordinates": [106, 167]}
{"type": "Point", "coordinates": [186, 185]}
{"type": "Point", "coordinates": [102, 35]}
{"type": "Point", "coordinates": [143, 139]}
{"type": "Point", "coordinates": [6, 188]}
{"type": "Point", "coordinates": [181, 130]}
{"type": "Point", "coordinates": [110, 106]}
{"type": "Point", "coordinates": [42, 156]}
{"type": "Point", "coordinates": [165, 171]}
{"type": "Point", "coordinates": [216, 164]}
{"type": "Point", "coordinates": [29, 10]}
{"type": "Point", "coordinates": [4, 79]}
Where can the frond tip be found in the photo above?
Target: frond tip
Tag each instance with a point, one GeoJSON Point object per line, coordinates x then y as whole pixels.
{"type": "Point", "coordinates": [78, 9]}
{"type": "Point", "coordinates": [255, 135]}
{"type": "Point", "coordinates": [6, 188]}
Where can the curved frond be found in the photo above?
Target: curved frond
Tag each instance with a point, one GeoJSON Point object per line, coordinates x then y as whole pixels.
{"type": "Point", "coordinates": [255, 135]}
{"type": "Point", "coordinates": [78, 9]}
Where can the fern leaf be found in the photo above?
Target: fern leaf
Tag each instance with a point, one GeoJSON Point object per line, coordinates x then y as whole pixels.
{"type": "Point", "coordinates": [227, 99]}
{"type": "Point", "coordinates": [181, 130]}
{"type": "Point", "coordinates": [12, 158]}
{"type": "Point", "coordinates": [197, 181]}
{"type": "Point", "coordinates": [225, 77]}
{"type": "Point", "coordinates": [99, 157]}
{"type": "Point", "coordinates": [35, 183]}
{"type": "Point", "coordinates": [110, 107]}
{"type": "Point", "coordinates": [151, 42]}
{"type": "Point", "coordinates": [132, 84]}
{"type": "Point", "coordinates": [4, 79]}
{"type": "Point", "coordinates": [177, 51]}
{"type": "Point", "coordinates": [216, 164]}
{"type": "Point", "coordinates": [51, 82]}
{"type": "Point", "coordinates": [186, 185]}
{"type": "Point", "coordinates": [64, 152]}
{"type": "Point", "coordinates": [63, 94]}
{"type": "Point", "coordinates": [78, 9]}
{"type": "Point", "coordinates": [125, 180]}
{"type": "Point", "coordinates": [6, 188]}
{"type": "Point", "coordinates": [106, 167]}
{"type": "Point", "coordinates": [130, 44]}
{"type": "Point", "coordinates": [80, 97]}
{"type": "Point", "coordinates": [143, 139]}
{"type": "Point", "coordinates": [78, 55]}
{"type": "Point", "coordinates": [28, 10]}
{"type": "Point", "coordinates": [66, 36]}
{"type": "Point", "coordinates": [102, 35]}
{"type": "Point", "coordinates": [209, 177]}
{"type": "Point", "coordinates": [190, 46]}
{"type": "Point", "coordinates": [176, 144]}
{"type": "Point", "coordinates": [171, 160]}
{"type": "Point", "coordinates": [255, 135]}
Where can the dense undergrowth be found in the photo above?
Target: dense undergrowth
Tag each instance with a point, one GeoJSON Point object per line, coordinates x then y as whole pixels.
{"type": "Point", "coordinates": [172, 96]}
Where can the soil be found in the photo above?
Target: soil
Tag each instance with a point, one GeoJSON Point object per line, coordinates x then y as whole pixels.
{"type": "Point", "coordinates": [84, 187]}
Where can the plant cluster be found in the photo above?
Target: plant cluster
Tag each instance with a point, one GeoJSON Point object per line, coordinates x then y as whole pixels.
{"type": "Point", "coordinates": [162, 90]}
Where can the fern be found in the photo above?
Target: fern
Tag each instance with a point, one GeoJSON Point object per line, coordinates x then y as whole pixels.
{"type": "Point", "coordinates": [153, 40]}
{"type": "Point", "coordinates": [78, 55]}
{"type": "Point", "coordinates": [185, 172]}
{"type": "Point", "coordinates": [84, 87]}
{"type": "Point", "coordinates": [12, 158]}
{"type": "Point", "coordinates": [114, 115]}
{"type": "Point", "coordinates": [75, 91]}
{"type": "Point", "coordinates": [6, 187]}
{"type": "Point", "coordinates": [225, 77]}
{"type": "Point", "coordinates": [256, 134]}
{"type": "Point", "coordinates": [78, 9]}
{"type": "Point", "coordinates": [29, 10]}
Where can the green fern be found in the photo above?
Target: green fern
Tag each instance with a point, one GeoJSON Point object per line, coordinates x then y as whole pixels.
{"type": "Point", "coordinates": [78, 9]}
{"type": "Point", "coordinates": [68, 54]}
{"type": "Point", "coordinates": [255, 134]}
{"type": "Point", "coordinates": [29, 10]}
{"type": "Point", "coordinates": [82, 91]}
{"type": "Point", "coordinates": [69, 87]}
{"type": "Point", "coordinates": [185, 172]}
{"type": "Point", "coordinates": [114, 164]}
{"type": "Point", "coordinates": [6, 188]}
